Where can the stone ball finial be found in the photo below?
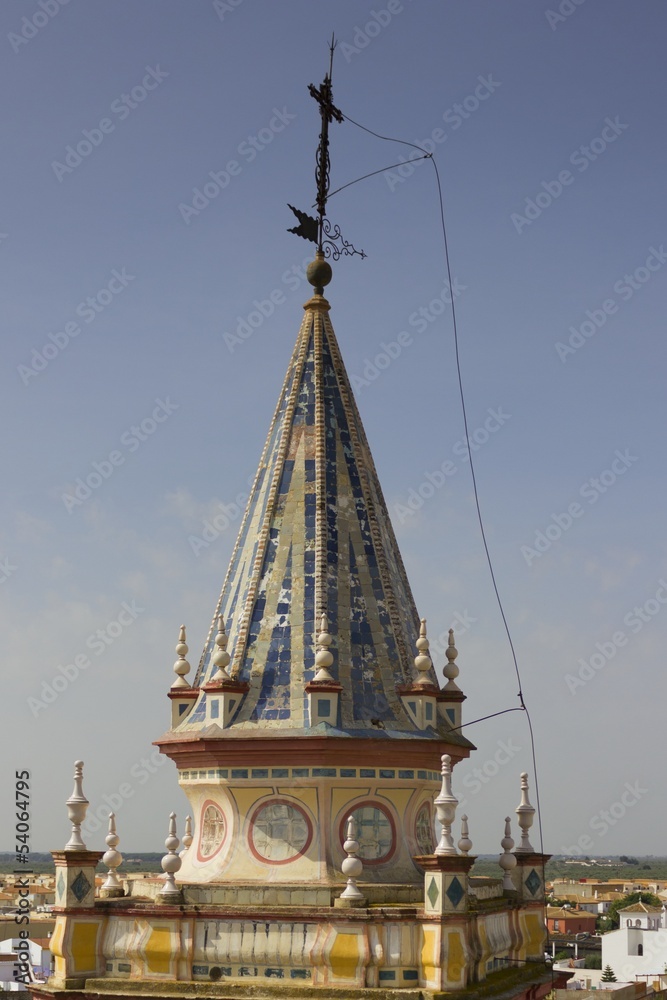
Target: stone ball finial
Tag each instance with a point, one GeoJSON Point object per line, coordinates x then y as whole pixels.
{"type": "Point", "coordinates": [319, 273]}
{"type": "Point", "coordinates": [323, 657]}
{"type": "Point", "coordinates": [507, 860]}
{"type": "Point", "coordinates": [112, 859]}
{"type": "Point", "coordinates": [352, 866]}
{"type": "Point", "coordinates": [221, 657]}
{"type": "Point", "coordinates": [423, 659]}
{"type": "Point", "coordinates": [187, 836]}
{"type": "Point", "coordinates": [181, 667]}
{"type": "Point", "coordinates": [171, 862]}
{"type": "Point", "coordinates": [465, 843]}
{"type": "Point", "coordinates": [450, 670]}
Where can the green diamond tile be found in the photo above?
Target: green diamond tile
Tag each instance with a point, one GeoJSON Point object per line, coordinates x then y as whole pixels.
{"type": "Point", "coordinates": [433, 892]}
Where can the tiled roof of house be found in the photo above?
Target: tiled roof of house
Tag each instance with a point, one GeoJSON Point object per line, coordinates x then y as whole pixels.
{"type": "Point", "coordinates": [566, 913]}
{"type": "Point", "coordinates": [641, 908]}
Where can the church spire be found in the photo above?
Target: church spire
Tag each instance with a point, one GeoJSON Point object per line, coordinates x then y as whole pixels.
{"type": "Point", "coordinates": [319, 701]}
{"type": "Point", "coordinates": [316, 540]}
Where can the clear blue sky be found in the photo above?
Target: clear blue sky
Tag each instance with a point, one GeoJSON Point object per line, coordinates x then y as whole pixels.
{"type": "Point", "coordinates": [548, 131]}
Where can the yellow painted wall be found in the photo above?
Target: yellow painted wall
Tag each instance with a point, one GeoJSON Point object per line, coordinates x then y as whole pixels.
{"type": "Point", "coordinates": [158, 951]}
{"type": "Point", "coordinates": [456, 959]}
{"type": "Point", "coordinates": [430, 957]}
{"type": "Point", "coordinates": [83, 946]}
{"type": "Point", "coordinates": [345, 956]}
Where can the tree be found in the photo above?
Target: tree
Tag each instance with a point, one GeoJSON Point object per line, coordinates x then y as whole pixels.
{"type": "Point", "coordinates": [608, 975]}
{"type": "Point", "coordinates": [633, 897]}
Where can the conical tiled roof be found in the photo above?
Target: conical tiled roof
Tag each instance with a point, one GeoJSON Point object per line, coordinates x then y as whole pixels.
{"type": "Point", "coordinates": [316, 540]}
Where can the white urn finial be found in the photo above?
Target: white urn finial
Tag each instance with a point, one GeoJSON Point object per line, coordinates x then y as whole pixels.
{"type": "Point", "coordinates": [112, 858]}
{"type": "Point", "coordinates": [171, 862]}
{"type": "Point", "coordinates": [221, 657]}
{"type": "Point", "coordinates": [450, 670]}
{"type": "Point", "coordinates": [507, 861]}
{"type": "Point", "coordinates": [77, 806]}
{"type": "Point", "coordinates": [525, 813]}
{"type": "Point", "coordinates": [352, 866]}
{"type": "Point", "coordinates": [187, 836]}
{"type": "Point", "coordinates": [465, 843]}
{"type": "Point", "coordinates": [324, 657]}
{"type": "Point", "coordinates": [423, 658]}
{"type": "Point", "coordinates": [445, 806]}
{"type": "Point", "coordinates": [181, 667]}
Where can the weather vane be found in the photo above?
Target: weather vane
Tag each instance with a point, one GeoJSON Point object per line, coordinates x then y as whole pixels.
{"type": "Point", "coordinates": [320, 231]}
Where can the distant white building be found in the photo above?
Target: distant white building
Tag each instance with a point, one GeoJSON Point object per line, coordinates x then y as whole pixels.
{"type": "Point", "coordinates": [39, 956]}
{"type": "Point", "coordinates": [639, 946]}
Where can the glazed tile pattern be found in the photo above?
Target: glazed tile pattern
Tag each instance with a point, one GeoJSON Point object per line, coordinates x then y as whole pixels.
{"type": "Point", "coordinates": [316, 538]}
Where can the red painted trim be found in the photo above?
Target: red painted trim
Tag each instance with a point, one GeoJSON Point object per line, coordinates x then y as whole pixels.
{"type": "Point", "coordinates": [187, 694]}
{"type": "Point", "coordinates": [250, 749]}
{"type": "Point", "coordinates": [222, 687]}
{"type": "Point", "coordinates": [452, 696]}
{"type": "Point", "coordinates": [426, 689]}
{"type": "Point", "coordinates": [251, 826]}
{"type": "Point", "coordinates": [209, 857]}
{"type": "Point", "coordinates": [383, 809]}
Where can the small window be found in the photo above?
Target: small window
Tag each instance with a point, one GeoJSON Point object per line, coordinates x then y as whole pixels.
{"type": "Point", "coordinates": [215, 708]}
{"type": "Point", "coordinates": [640, 949]}
{"type": "Point", "coordinates": [324, 708]}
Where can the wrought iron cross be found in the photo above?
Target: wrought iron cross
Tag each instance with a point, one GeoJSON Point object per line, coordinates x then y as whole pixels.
{"type": "Point", "coordinates": [318, 230]}
{"type": "Point", "coordinates": [328, 112]}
